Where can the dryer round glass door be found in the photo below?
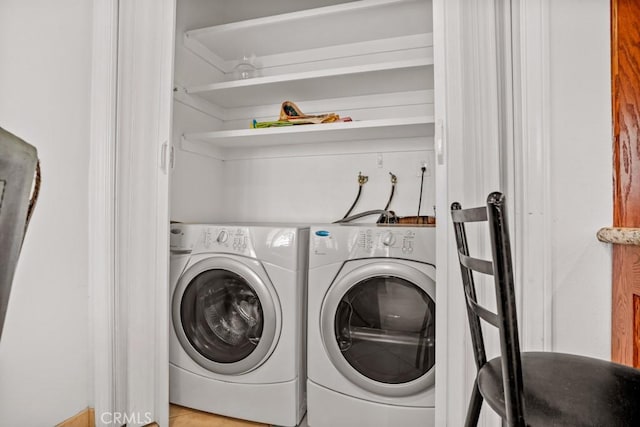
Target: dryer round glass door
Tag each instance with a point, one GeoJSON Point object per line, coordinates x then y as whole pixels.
{"type": "Point", "coordinates": [379, 328]}
{"type": "Point", "coordinates": [224, 316]}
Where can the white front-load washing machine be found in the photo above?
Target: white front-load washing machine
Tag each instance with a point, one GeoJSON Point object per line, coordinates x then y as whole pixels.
{"type": "Point", "coordinates": [237, 340]}
{"type": "Point", "coordinates": [371, 326]}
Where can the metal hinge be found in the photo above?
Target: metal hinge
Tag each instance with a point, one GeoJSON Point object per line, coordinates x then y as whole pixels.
{"type": "Point", "coordinates": [439, 143]}
{"type": "Point", "coordinates": [167, 158]}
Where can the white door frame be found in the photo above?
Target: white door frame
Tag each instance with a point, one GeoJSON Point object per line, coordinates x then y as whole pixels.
{"type": "Point", "coordinates": [467, 104]}
{"type": "Point", "coordinates": [491, 134]}
{"type": "Point", "coordinates": [132, 81]}
{"type": "Point", "coordinates": [102, 204]}
{"type": "Point", "coordinates": [532, 178]}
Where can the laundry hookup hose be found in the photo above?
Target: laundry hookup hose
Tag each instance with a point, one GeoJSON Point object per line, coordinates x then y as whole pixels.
{"type": "Point", "coordinates": [394, 181]}
{"type": "Point", "coordinates": [362, 180]}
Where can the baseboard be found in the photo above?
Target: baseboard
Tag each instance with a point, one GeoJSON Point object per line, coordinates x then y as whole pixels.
{"type": "Point", "coordinates": [83, 419]}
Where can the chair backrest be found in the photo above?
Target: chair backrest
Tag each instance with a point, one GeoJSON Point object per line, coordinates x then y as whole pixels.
{"type": "Point", "coordinates": [18, 169]}
{"type": "Point", "coordinates": [505, 319]}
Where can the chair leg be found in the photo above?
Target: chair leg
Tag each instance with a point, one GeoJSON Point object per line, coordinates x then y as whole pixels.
{"type": "Point", "coordinates": [475, 404]}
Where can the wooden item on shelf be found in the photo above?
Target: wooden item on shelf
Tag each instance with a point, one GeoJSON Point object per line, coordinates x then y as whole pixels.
{"type": "Point", "coordinates": [422, 219]}
{"type": "Point", "coordinates": [290, 112]}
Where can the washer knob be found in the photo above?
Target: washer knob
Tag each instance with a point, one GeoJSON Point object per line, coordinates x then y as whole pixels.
{"type": "Point", "coordinates": [388, 239]}
{"type": "Point", "coordinates": [223, 236]}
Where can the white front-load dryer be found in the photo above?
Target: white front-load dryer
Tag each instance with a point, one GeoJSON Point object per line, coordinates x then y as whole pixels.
{"type": "Point", "coordinates": [371, 326]}
{"type": "Point", "coordinates": [237, 342]}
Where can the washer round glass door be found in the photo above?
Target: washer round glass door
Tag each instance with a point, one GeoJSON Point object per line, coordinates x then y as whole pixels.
{"type": "Point", "coordinates": [224, 315]}
{"type": "Point", "coordinates": [378, 326]}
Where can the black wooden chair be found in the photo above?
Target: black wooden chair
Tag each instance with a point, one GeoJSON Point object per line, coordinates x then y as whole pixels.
{"type": "Point", "coordinates": [533, 388]}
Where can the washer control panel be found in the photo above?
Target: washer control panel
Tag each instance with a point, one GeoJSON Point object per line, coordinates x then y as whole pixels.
{"type": "Point", "coordinates": [193, 239]}
{"type": "Point", "coordinates": [282, 245]}
{"type": "Point", "coordinates": [226, 239]}
{"type": "Point", "coordinates": [223, 236]}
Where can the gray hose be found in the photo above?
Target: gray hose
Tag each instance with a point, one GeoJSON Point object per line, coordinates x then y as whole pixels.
{"type": "Point", "coordinates": [387, 214]}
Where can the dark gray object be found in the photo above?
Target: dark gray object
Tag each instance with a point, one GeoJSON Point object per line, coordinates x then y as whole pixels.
{"type": "Point", "coordinates": [18, 165]}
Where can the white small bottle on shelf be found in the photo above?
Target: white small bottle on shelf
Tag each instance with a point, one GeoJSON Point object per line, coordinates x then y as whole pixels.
{"type": "Point", "coordinates": [245, 68]}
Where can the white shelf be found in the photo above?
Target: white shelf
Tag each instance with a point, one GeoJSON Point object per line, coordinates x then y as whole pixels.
{"type": "Point", "coordinates": [398, 76]}
{"type": "Point", "coordinates": [406, 127]}
{"type": "Point", "coordinates": [349, 51]}
{"type": "Point", "coordinates": [341, 24]}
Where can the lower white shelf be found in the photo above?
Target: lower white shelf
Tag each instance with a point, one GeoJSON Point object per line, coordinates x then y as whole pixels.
{"type": "Point", "coordinates": [405, 127]}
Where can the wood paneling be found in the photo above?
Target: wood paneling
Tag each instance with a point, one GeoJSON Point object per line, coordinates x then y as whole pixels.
{"type": "Point", "coordinates": [625, 82]}
{"type": "Point", "coordinates": [83, 419]}
{"type": "Point", "coordinates": [179, 416]}
{"type": "Point", "coordinates": [636, 328]}
{"type": "Point", "coordinates": [626, 111]}
{"type": "Point", "coordinates": [625, 305]}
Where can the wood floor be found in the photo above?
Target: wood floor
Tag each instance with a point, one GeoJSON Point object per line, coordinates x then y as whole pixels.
{"type": "Point", "coordinates": [179, 416]}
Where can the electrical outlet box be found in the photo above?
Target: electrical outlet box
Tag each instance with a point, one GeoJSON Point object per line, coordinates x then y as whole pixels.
{"type": "Point", "coordinates": [423, 164]}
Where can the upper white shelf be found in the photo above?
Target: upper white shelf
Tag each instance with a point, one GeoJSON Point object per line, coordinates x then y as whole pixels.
{"type": "Point", "coordinates": [405, 127]}
{"type": "Point", "coordinates": [398, 76]}
{"type": "Point", "coordinates": [341, 24]}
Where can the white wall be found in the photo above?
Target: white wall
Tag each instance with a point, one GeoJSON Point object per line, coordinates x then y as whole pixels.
{"type": "Point", "coordinates": [44, 87]}
{"type": "Point", "coordinates": [196, 191]}
{"type": "Point", "coordinates": [321, 188]}
{"type": "Point", "coordinates": [581, 175]}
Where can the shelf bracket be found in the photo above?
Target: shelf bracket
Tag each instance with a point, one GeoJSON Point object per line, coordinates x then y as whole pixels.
{"type": "Point", "coordinates": [201, 148]}
{"type": "Point", "coordinates": [181, 95]}
{"type": "Point", "coordinates": [439, 142]}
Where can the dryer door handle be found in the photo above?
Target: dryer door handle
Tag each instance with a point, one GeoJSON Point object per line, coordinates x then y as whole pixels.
{"type": "Point", "coordinates": [343, 331]}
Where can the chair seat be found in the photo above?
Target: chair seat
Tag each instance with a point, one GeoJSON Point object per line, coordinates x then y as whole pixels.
{"type": "Point", "coordinates": [568, 390]}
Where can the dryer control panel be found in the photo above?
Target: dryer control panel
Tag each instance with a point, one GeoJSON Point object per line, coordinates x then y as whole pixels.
{"type": "Point", "coordinates": [373, 240]}
{"type": "Point", "coordinates": [335, 243]}
{"type": "Point", "coordinates": [380, 242]}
